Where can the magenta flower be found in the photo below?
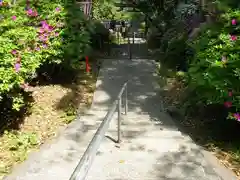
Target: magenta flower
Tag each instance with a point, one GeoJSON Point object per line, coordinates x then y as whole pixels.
{"type": "Point", "coordinates": [234, 21]}
{"type": "Point", "coordinates": [1, 3]}
{"type": "Point", "coordinates": [43, 38]}
{"type": "Point", "coordinates": [45, 26]}
{"type": "Point", "coordinates": [50, 28]}
{"type": "Point", "coordinates": [56, 34]}
{"type": "Point", "coordinates": [228, 104]}
{"type": "Point", "coordinates": [43, 22]}
{"type": "Point", "coordinates": [45, 45]}
{"type": "Point", "coordinates": [233, 37]}
{"type": "Point", "coordinates": [237, 116]}
{"type": "Point", "coordinates": [41, 30]}
{"type": "Point", "coordinates": [14, 52]}
{"type": "Point", "coordinates": [14, 18]}
{"type": "Point", "coordinates": [17, 67]}
{"type": "Point", "coordinates": [29, 12]}
{"type": "Point", "coordinates": [37, 48]}
{"type": "Point", "coordinates": [34, 14]}
{"type": "Point", "coordinates": [57, 9]}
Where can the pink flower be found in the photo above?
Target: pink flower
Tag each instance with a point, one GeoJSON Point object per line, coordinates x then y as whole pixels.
{"type": "Point", "coordinates": [17, 67]}
{"type": "Point", "coordinates": [14, 18]}
{"type": "Point", "coordinates": [228, 104]}
{"type": "Point", "coordinates": [14, 52]}
{"type": "Point", "coordinates": [45, 26]}
{"type": "Point", "coordinates": [43, 22]}
{"type": "Point", "coordinates": [29, 12]}
{"type": "Point", "coordinates": [45, 45]}
{"type": "Point", "coordinates": [41, 30]}
{"type": "Point", "coordinates": [50, 28]}
{"type": "Point", "coordinates": [37, 48]}
{"type": "Point", "coordinates": [234, 21]}
{"type": "Point", "coordinates": [43, 38]}
{"type": "Point", "coordinates": [233, 37]}
{"type": "Point", "coordinates": [34, 14]}
{"type": "Point", "coordinates": [56, 34]}
{"type": "Point", "coordinates": [230, 93]}
{"type": "Point", "coordinates": [237, 116]}
{"type": "Point", "coordinates": [57, 9]}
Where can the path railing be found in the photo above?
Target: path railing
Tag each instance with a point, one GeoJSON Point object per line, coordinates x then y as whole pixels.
{"type": "Point", "coordinates": [86, 161]}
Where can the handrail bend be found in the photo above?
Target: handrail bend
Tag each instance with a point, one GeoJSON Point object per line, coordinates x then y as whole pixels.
{"type": "Point", "coordinates": [86, 161]}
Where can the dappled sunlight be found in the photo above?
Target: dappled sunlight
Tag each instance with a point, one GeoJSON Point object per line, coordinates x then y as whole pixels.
{"type": "Point", "coordinates": [142, 96]}
{"type": "Point", "coordinates": [184, 163]}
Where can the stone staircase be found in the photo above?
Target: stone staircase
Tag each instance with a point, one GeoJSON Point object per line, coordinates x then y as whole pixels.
{"type": "Point", "coordinates": [152, 147]}
{"type": "Point", "coordinates": [149, 151]}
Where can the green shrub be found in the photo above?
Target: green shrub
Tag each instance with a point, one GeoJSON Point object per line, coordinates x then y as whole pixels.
{"type": "Point", "coordinates": [100, 36]}
{"type": "Point", "coordinates": [214, 72]}
{"type": "Point", "coordinates": [172, 26]}
{"type": "Point", "coordinates": [46, 32]}
{"type": "Point", "coordinates": [173, 49]}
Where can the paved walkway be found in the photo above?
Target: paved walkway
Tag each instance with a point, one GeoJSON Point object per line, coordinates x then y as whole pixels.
{"type": "Point", "coordinates": [152, 147]}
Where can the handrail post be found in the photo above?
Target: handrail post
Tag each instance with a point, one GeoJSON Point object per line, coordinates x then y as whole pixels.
{"type": "Point", "coordinates": [133, 37]}
{"type": "Point", "coordinates": [129, 48]}
{"type": "Point", "coordinates": [119, 118]}
{"type": "Point", "coordinates": [126, 100]}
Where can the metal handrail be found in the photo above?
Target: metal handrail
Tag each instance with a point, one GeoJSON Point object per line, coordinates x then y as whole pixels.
{"type": "Point", "coordinates": [86, 161]}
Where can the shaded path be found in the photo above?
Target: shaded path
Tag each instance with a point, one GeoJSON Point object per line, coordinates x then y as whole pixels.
{"type": "Point", "coordinates": [152, 147]}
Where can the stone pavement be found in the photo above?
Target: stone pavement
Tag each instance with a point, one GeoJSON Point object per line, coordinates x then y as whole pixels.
{"type": "Point", "coordinates": [152, 148]}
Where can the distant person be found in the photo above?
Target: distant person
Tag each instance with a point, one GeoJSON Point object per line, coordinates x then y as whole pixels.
{"type": "Point", "coordinates": [113, 25]}
{"type": "Point", "coordinates": [123, 29]}
{"type": "Point", "coordinates": [118, 26]}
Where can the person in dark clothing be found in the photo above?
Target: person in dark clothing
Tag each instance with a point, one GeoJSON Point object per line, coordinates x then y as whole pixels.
{"type": "Point", "coordinates": [123, 29]}
{"type": "Point", "coordinates": [113, 25]}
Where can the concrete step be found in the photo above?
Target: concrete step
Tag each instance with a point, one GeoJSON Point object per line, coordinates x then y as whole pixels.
{"type": "Point", "coordinates": [156, 155]}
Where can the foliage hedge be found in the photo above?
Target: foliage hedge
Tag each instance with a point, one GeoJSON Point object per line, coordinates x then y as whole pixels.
{"type": "Point", "coordinates": [36, 33]}
{"type": "Point", "coordinates": [212, 60]}
{"type": "Point", "coordinates": [214, 73]}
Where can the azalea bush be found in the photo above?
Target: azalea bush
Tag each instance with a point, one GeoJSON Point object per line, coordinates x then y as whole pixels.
{"type": "Point", "coordinates": [214, 73]}
{"type": "Point", "coordinates": [36, 33]}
